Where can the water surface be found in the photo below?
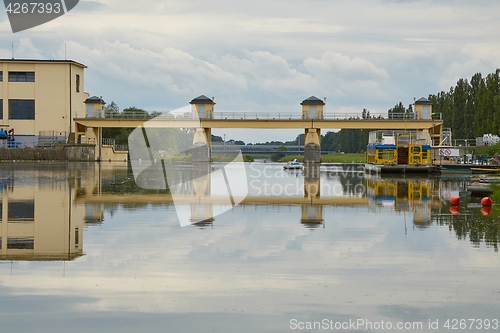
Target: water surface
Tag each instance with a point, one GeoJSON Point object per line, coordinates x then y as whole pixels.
{"type": "Point", "coordinates": [84, 249]}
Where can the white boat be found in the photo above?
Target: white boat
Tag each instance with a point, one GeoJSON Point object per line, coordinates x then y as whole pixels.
{"type": "Point", "coordinates": [294, 165]}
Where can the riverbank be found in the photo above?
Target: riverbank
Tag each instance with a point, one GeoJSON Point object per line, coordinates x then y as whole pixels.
{"type": "Point", "coordinates": [331, 158]}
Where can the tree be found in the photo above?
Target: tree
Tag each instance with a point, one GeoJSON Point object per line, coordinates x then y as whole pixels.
{"type": "Point", "coordinates": [135, 112]}
{"type": "Point", "coordinates": [459, 97]}
{"type": "Point", "coordinates": [216, 138]}
{"type": "Point", "coordinates": [397, 112]}
{"type": "Point", "coordinates": [111, 110]}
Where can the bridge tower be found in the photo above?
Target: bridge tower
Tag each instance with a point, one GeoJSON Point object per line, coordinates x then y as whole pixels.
{"type": "Point", "coordinates": [93, 135]}
{"type": "Point", "coordinates": [423, 111]}
{"type": "Point", "coordinates": [202, 108]}
{"type": "Point", "coordinates": [312, 108]}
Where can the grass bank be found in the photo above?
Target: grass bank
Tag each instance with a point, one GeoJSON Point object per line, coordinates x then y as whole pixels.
{"type": "Point", "coordinates": [331, 158]}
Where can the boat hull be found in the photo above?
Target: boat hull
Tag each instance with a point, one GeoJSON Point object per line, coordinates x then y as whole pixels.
{"type": "Point", "coordinates": [292, 167]}
{"type": "Point", "coordinates": [398, 168]}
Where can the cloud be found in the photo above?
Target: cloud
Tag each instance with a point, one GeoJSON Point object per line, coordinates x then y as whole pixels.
{"type": "Point", "coordinates": [26, 49]}
{"type": "Point", "coordinates": [347, 76]}
{"type": "Point", "coordinates": [89, 6]}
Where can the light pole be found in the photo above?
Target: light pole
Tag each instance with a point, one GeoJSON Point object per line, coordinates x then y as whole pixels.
{"type": "Point", "coordinates": [432, 137]}
{"type": "Point", "coordinates": [224, 141]}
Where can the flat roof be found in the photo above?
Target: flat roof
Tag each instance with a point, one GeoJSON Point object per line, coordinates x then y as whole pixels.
{"type": "Point", "coordinates": [44, 61]}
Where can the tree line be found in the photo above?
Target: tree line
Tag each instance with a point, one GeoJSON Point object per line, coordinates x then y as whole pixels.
{"type": "Point", "coordinates": [472, 107]}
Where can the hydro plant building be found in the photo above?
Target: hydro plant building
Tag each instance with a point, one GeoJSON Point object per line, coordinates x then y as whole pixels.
{"type": "Point", "coordinates": [39, 98]}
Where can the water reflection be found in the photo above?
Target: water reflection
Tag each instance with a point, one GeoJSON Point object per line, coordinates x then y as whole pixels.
{"type": "Point", "coordinates": [45, 208]}
{"type": "Point", "coordinates": [325, 242]}
{"type": "Point", "coordinates": [39, 220]}
{"type": "Point", "coordinates": [415, 195]}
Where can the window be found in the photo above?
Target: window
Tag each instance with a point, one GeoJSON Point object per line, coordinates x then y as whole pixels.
{"type": "Point", "coordinates": [21, 76]}
{"type": "Point", "coordinates": [385, 154]}
{"type": "Point", "coordinates": [77, 83]}
{"type": "Point", "coordinates": [1, 76]}
{"type": "Point", "coordinates": [20, 211]}
{"type": "Point", "coordinates": [1, 108]}
{"type": "Point", "coordinates": [21, 109]}
{"type": "Point", "coordinates": [26, 243]}
{"type": "Point", "coordinates": [77, 237]}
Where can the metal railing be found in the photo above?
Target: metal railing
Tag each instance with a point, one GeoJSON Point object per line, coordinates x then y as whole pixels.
{"type": "Point", "coordinates": [254, 116]}
{"type": "Point", "coordinates": [111, 142]}
{"type": "Point", "coordinates": [114, 115]}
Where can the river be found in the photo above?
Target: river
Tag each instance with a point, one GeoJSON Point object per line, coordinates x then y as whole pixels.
{"type": "Point", "coordinates": [242, 248]}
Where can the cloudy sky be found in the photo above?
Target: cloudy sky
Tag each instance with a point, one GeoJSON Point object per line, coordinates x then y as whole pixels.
{"type": "Point", "coordinates": [267, 56]}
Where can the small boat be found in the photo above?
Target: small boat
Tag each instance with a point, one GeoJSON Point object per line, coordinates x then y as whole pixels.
{"type": "Point", "coordinates": [294, 165]}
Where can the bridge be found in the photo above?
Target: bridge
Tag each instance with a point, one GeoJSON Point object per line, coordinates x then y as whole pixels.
{"type": "Point", "coordinates": [312, 119]}
{"type": "Point", "coordinates": [260, 149]}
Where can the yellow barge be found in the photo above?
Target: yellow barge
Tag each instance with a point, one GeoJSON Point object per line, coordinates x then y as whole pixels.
{"type": "Point", "coordinates": [399, 152]}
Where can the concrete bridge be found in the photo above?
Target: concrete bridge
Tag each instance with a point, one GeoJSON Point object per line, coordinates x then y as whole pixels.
{"type": "Point", "coordinates": [312, 119]}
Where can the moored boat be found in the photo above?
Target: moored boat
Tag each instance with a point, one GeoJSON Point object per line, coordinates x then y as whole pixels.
{"type": "Point", "coordinates": [399, 152]}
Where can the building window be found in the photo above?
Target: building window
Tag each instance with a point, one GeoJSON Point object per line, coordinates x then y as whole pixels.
{"type": "Point", "coordinates": [20, 211]}
{"type": "Point", "coordinates": [21, 109]}
{"type": "Point", "coordinates": [1, 108]}
{"type": "Point", "coordinates": [1, 76]}
{"type": "Point", "coordinates": [77, 83]}
{"type": "Point", "coordinates": [21, 76]}
{"type": "Point", "coordinates": [24, 243]}
{"type": "Point", "coordinates": [77, 237]}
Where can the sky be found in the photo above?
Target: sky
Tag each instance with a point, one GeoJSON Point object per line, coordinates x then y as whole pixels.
{"type": "Point", "coordinates": [268, 56]}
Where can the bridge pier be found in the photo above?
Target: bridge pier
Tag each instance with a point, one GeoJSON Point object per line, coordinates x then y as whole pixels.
{"type": "Point", "coordinates": [202, 143]}
{"type": "Point", "coordinates": [202, 211]}
{"type": "Point", "coordinates": [312, 214]}
{"type": "Point", "coordinates": [312, 145]}
{"type": "Point", "coordinates": [312, 184]}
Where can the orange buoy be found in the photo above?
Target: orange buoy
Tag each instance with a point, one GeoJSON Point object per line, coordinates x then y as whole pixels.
{"type": "Point", "coordinates": [486, 201]}
{"type": "Point", "coordinates": [455, 200]}
{"type": "Point", "coordinates": [486, 210]}
{"type": "Point", "coordinates": [455, 210]}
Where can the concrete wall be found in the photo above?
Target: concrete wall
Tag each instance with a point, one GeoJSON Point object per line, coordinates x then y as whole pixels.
{"type": "Point", "coordinates": [65, 153]}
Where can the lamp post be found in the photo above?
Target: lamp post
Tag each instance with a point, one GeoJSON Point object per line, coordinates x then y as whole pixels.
{"type": "Point", "coordinates": [224, 141]}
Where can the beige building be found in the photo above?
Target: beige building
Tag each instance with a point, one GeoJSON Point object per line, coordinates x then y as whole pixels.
{"type": "Point", "coordinates": [39, 98]}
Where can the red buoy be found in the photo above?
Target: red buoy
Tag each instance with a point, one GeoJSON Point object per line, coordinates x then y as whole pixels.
{"type": "Point", "coordinates": [455, 210]}
{"type": "Point", "coordinates": [455, 200]}
{"type": "Point", "coordinates": [486, 210]}
{"type": "Point", "coordinates": [486, 201]}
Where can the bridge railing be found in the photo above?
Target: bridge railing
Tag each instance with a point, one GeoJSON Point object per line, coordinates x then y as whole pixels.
{"type": "Point", "coordinates": [250, 116]}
